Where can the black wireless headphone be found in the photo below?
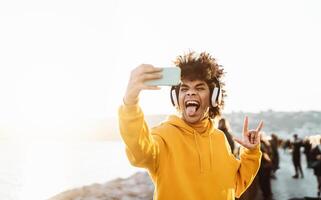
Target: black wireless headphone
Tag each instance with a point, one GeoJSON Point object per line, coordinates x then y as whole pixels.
{"type": "Point", "coordinates": [215, 94]}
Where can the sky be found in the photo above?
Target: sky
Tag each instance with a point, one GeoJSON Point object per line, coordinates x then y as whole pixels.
{"type": "Point", "coordinates": [67, 61]}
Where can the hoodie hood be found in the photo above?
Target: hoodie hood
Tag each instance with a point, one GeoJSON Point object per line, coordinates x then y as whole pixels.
{"type": "Point", "coordinates": [199, 131]}
{"type": "Point", "coordinates": [203, 128]}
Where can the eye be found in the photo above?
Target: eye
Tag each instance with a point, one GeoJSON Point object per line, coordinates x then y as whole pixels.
{"type": "Point", "coordinates": [200, 88]}
{"type": "Point", "coordinates": [183, 89]}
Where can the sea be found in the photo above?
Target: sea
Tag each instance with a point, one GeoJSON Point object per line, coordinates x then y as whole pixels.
{"type": "Point", "coordinates": [38, 170]}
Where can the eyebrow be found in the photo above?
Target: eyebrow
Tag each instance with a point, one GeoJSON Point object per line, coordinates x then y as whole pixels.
{"type": "Point", "coordinates": [198, 85]}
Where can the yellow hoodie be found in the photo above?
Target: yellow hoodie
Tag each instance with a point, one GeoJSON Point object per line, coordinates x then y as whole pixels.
{"type": "Point", "coordinates": [183, 163]}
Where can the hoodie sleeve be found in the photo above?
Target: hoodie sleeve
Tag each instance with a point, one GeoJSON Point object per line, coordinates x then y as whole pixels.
{"type": "Point", "coordinates": [249, 165]}
{"type": "Point", "coordinates": [142, 148]}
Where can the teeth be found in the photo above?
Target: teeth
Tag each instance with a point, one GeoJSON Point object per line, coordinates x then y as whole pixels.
{"type": "Point", "coordinates": [192, 102]}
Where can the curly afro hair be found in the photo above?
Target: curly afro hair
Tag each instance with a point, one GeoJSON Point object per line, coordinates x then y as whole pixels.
{"type": "Point", "coordinates": [205, 68]}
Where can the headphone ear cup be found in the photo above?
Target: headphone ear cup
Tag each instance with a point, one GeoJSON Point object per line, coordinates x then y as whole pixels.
{"type": "Point", "coordinates": [174, 97]}
{"type": "Point", "coordinates": [215, 96]}
{"type": "Point", "coordinates": [219, 98]}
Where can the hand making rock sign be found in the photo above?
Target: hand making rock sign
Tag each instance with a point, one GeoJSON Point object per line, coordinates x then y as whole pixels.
{"type": "Point", "coordinates": [250, 138]}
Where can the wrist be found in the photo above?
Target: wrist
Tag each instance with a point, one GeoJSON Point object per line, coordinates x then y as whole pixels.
{"type": "Point", "coordinates": [130, 101]}
{"type": "Point", "coordinates": [253, 149]}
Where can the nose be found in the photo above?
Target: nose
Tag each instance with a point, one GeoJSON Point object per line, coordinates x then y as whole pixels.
{"type": "Point", "coordinates": [191, 92]}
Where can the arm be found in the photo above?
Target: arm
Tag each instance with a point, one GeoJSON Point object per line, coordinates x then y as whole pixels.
{"type": "Point", "coordinates": [141, 148]}
{"type": "Point", "coordinates": [249, 166]}
{"type": "Point", "coordinates": [250, 157]}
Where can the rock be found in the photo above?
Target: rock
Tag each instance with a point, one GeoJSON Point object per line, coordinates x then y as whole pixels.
{"type": "Point", "coordinates": [136, 187]}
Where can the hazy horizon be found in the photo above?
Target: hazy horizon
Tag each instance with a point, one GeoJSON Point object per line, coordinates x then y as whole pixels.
{"type": "Point", "coordinates": [107, 128]}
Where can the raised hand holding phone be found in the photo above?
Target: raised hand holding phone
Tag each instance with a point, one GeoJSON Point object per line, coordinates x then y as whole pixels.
{"type": "Point", "coordinates": [136, 83]}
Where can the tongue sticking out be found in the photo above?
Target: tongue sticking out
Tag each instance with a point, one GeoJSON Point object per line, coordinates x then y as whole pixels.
{"type": "Point", "coordinates": [191, 110]}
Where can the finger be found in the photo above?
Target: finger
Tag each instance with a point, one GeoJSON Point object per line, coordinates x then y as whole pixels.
{"type": "Point", "coordinates": [154, 70]}
{"type": "Point", "coordinates": [151, 76]}
{"type": "Point", "coordinates": [252, 137]}
{"type": "Point", "coordinates": [147, 68]}
{"type": "Point", "coordinates": [258, 138]}
{"type": "Point", "coordinates": [238, 141]}
{"type": "Point", "coordinates": [151, 87]}
{"type": "Point", "coordinates": [245, 125]}
{"type": "Point", "coordinates": [258, 129]}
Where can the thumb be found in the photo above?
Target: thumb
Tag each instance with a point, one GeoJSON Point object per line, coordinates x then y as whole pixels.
{"type": "Point", "coordinates": [238, 140]}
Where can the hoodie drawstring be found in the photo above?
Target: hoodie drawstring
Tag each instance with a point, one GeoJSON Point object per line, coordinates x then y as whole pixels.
{"type": "Point", "coordinates": [198, 151]}
{"type": "Point", "coordinates": [211, 151]}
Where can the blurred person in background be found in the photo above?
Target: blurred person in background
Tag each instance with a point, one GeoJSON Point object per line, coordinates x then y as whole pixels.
{"type": "Point", "coordinates": [296, 156]}
{"type": "Point", "coordinates": [316, 164]}
{"type": "Point", "coordinates": [307, 150]}
{"type": "Point", "coordinates": [274, 154]}
{"type": "Point", "coordinates": [266, 168]}
{"type": "Point", "coordinates": [224, 126]}
{"type": "Point", "coordinates": [286, 145]}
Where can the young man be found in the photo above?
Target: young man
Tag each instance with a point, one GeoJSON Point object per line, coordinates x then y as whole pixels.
{"type": "Point", "coordinates": [186, 157]}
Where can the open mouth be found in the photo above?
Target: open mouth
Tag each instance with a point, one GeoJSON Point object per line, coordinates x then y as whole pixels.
{"type": "Point", "coordinates": [192, 103]}
{"type": "Point", "coordinates": [191, 107]}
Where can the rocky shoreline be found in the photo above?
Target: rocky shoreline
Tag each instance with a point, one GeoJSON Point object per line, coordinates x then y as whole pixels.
{"type": "Point", "coordinates": [136, 187]}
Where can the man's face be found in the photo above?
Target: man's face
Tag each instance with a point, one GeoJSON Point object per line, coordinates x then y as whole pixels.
{"type": "Point", "coordinates": [193, 100]}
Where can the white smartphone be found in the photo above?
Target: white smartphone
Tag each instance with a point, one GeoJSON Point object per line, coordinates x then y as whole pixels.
{"type": "Point", "coordinates": [171, 76]}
